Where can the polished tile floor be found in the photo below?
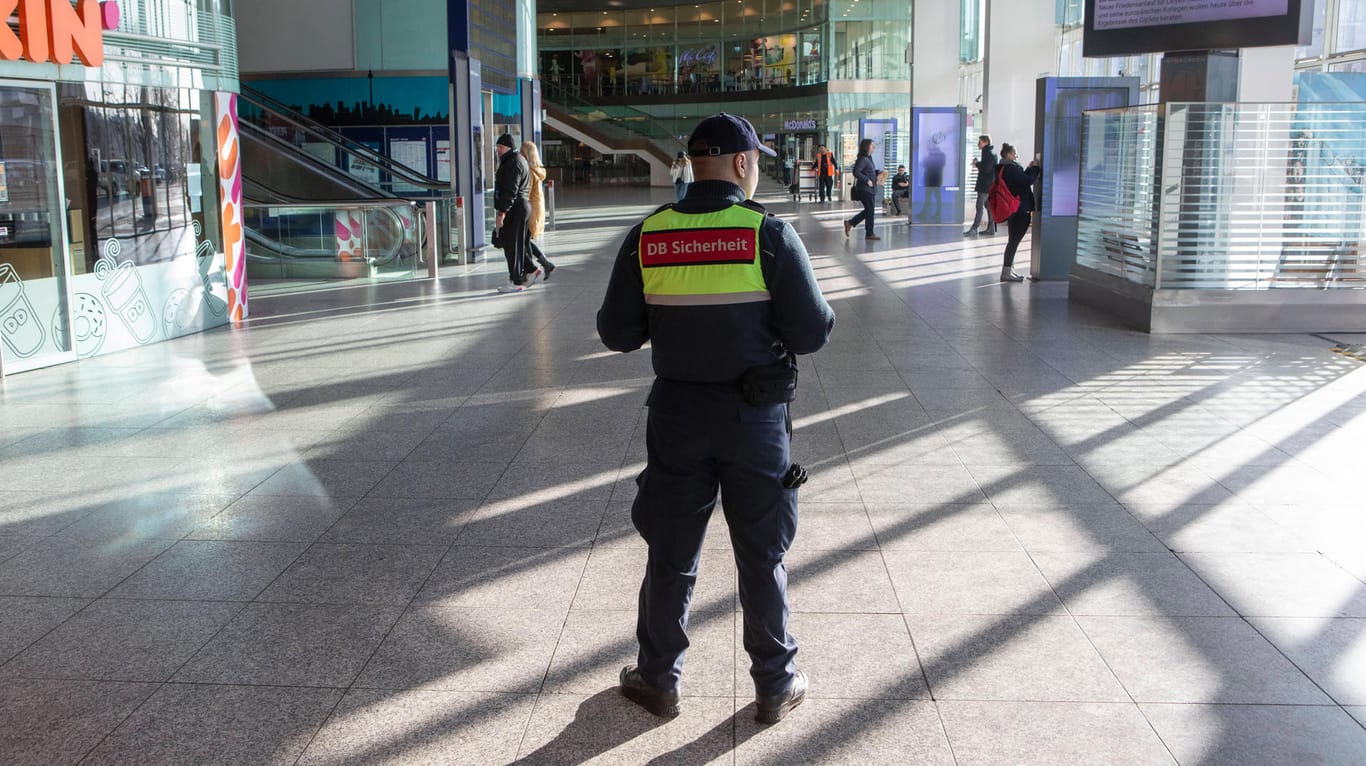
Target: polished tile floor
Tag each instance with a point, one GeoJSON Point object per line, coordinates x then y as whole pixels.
{"type": "Point", "coordinates": [391, 524]}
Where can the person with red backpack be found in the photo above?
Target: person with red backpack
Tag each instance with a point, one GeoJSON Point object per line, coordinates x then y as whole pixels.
{"type": "Point", "coordinates": [1019, 183]}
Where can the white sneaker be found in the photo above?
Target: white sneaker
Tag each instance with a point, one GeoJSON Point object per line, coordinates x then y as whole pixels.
{"type": "Point", "coordinates": [511, 288]}
{"type": "Point", "coordinates": [534, 277]}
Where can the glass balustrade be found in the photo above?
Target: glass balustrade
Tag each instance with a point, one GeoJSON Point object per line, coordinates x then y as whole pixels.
{"type": "Point", "coordinates": [1195, 196]}
{"type": "Point", "coordinates": [380, 240]}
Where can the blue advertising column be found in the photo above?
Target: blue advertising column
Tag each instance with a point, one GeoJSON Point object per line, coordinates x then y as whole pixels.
{"type": "Point", "coordinates": [531, 111]}
{"type": "Point", "coordinates": [467, 127]}
{"type": "Point", "coordinates": [467, 135]}
{"type": "Point", "coordinates": [936, 166]}
{"type": "Point", "coordinates": [1058, 139]}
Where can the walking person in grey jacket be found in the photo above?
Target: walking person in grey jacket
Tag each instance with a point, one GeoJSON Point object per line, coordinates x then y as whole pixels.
{"type": "Point", "coordinates": [865, 189]}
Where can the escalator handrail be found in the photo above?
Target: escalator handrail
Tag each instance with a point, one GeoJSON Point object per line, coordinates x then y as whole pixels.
{"type": "Point", "coordinates": [304, 158]}
{"type": "Point", "coordinates": [318, 130]}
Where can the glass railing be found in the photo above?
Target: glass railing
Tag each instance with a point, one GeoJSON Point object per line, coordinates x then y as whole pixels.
{"type": "Point", "coordinates": [355, 159]}
{"type": "Point", "coordinates": [345, 240]}
{"type": "Point", "coordinates": [1225, 196]}
{"type": "Point", "coordinates": [1115, 211]}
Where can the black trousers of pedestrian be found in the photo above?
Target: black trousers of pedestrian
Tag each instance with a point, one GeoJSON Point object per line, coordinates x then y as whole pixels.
{"type": "Point", "coordinates": [539, 255]}
{"type": "Point", "coordinates": [866, 216]}
{"type": "Point", "coordinates": [827, 187]}
{"type": "Point", "coordinates": [699, 439]}
{"type": "Point", "coordinates": [517, 241]}
{"type": "Point", "coordinates": [1016, 227]}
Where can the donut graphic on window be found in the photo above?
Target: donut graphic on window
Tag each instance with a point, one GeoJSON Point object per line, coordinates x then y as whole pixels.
{"type": "Point", "coordinates": [89, 324]}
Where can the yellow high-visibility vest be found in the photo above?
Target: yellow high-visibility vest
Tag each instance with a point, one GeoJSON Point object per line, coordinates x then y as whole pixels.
{"type": "Point", "coordinates": [702, 259]}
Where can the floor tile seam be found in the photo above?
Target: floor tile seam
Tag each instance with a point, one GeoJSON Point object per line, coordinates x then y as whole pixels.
{"type": "Point", "coordinates": [229, 621]}
{"type": "Point", "coordinates": [1236, 616]}
{"type": "Point", "coordinates": [1269, 642]}
{"type": "Point", "coordinates": [110, 732]}
{"type": "Point", "coordinates": [1078, 578]}
{"type": "Point", "coordinates": [64, 527]}
{"type": "Point", "coordinates": [398, 617]}
{"type": "Point", "coordinates": [4, 665]}
{"type": "Point", "coordinates": [564, 625]}
{"type": "Point", "coordinates": [107, 593]}
{"type": "Point", "coordinates": [483, 499]}
{"type": "Point", "coordinates": [324, 720]}
{"type": "Point", "coordinates": [559, 638]}
{"type": "Point", "coordinates": [919, 663]}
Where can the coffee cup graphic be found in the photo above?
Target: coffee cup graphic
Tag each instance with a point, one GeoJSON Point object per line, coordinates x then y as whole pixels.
{"type": "Point", "coordinates": [123, 291]}
{"type": "Point", "coordinates": [19, 325]}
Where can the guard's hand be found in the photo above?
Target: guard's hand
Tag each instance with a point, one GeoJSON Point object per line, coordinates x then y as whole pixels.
{"type": "Point", "coordinates": [498, 221]}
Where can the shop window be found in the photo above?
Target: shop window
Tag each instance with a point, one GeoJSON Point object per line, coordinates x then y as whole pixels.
{"type": "Point", "coordinates": [135, 183]}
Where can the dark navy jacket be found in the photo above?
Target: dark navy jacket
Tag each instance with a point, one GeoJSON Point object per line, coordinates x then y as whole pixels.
{"type": "Point", "coordinates": [716, 344]}
{"type": "Point", "coordinates": [986, 170]}
{"type": "Point", "coordinates": [1020, 182]}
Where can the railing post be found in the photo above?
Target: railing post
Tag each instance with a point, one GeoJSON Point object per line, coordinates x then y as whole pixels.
{"type": "Point", "coordinates": [550, 204]}
{"type": "Point", "coordinates": [464, 230]}
{"type": "Point", "coordinates": [432, 243]}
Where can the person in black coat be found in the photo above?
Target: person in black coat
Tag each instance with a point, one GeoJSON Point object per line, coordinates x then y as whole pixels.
{"type": "Point", "coordinates": [986, 176]}
{"type": "Point", "coordinates": [511, 200]}
{"type": "Point", "coordinates": [1020, 182]}
{"type": "Point", "coordinates": [865, 189]}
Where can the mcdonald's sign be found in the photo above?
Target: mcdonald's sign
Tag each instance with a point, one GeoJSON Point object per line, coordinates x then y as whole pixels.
{"type": "Point", "coordinates": [55, 30]}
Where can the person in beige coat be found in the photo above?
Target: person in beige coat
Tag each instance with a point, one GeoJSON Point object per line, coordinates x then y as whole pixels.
{"type": "Point", "coordinates": [536, 224]}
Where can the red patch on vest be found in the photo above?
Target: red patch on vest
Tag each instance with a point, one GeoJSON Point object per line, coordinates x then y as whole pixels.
{"type": "Point", "coordinates": [697, 247]}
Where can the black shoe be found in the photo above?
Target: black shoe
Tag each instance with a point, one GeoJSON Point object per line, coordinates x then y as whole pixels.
{"type": "Point", "coordinates": [662, 703]}
{"type": "Point", "coordinates": [774, 709]}
{"type": "Point", "coordinates": [549, 267]}
{"type": "Point", "coordinates": [970, 233]}
{"type": "Point", "coordinates": [871, 236]}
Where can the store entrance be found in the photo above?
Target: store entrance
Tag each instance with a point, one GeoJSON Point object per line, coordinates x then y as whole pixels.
{"type": "Point", "coordinates": [35, 305]}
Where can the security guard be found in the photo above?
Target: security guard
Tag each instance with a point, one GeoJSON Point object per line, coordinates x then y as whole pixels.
{"type": "Point", "coordinates": [725, 294]}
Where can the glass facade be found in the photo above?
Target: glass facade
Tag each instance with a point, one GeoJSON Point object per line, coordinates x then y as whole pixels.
{"type": "Point", "coordinates": [111, 204]}
{"type": "Point", "coordinates": [708, 47]}
{"type": "Point", "coordinates": [1338, 43]}
{"type": "Point", "coordinates": [970, 22]}
{"type": "Point", "coordinates": [603, 62]}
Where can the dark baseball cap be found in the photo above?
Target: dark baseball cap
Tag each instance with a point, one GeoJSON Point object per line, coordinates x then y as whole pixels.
{"type": "Point", "coordinates": [725, 134]}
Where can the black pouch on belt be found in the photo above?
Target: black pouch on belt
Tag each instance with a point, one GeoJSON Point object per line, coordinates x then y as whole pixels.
{"type": "Point", "coordinates": [771, 384]}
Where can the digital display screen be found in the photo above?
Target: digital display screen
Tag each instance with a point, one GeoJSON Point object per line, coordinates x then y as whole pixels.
{"type": "Point", "coordinates": [1126, 14]}
{"type": "Point", "coordinates": [1126, 27]}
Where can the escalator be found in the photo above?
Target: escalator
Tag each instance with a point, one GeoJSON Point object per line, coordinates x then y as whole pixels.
{"type": "Point", "coordinates": [612, 129]}
{"type": "Point", "coordinates": [319, 206]}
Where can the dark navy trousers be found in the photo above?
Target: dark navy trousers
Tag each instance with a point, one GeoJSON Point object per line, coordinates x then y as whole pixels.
{"type": "Point", "coordinates": [699, 439]}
